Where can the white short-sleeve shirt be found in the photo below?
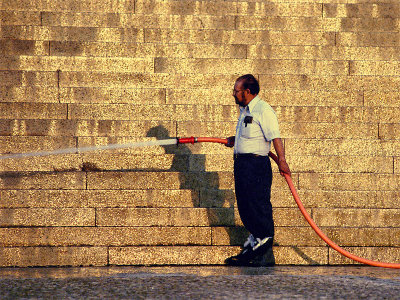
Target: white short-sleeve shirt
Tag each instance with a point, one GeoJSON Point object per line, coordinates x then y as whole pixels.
{"type": "Point", "coordinates": [257, 126]}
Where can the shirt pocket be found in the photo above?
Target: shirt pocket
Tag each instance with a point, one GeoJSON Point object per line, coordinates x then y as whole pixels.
{"type": "Point", "coordinates": [252, 130]}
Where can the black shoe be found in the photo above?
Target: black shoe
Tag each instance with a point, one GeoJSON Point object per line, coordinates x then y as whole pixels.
{"type": "Point", "coordinates": [239, 260]}
{"type": "Point", "coordinates": [259, 255]}
{"type": "Point", "coordinates": [263, 260]}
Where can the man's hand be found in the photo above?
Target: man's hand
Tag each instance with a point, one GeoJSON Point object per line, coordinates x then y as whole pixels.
{"type": "Point", "coordinates": [280, 151]}
{"type": "Point", "coordinates": [284, 167]}
{"type": "Point", "coordinates": [231, 141]}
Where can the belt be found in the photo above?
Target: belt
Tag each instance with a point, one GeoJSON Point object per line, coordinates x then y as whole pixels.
{"type": "Point", "coordinates": [237, 155]}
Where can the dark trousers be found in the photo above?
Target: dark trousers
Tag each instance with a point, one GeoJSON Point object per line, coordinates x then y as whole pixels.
{"type": "Point", "coordinates": [253, 180]}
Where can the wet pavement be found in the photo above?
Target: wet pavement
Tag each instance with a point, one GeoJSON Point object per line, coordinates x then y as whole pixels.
{"type": "Point", "coordinates": [201, 282]}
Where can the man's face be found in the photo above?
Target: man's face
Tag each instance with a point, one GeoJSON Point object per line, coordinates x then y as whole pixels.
{"type": "Point", "coordinates": [239, 94]}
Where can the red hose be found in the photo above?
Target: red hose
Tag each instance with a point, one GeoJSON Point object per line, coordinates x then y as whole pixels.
{"type": "Point", "coordinates": [193, 140]}
{"type": "Point", "coordinates": [322, 235]}
{"type": "Point", "coordinates": [301, 207]}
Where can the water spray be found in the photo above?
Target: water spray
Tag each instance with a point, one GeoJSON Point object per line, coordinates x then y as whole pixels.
{"type": "Point", "coordinates": [193, 140]}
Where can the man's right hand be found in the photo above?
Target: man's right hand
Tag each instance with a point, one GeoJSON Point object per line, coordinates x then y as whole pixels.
{"type": "Point", "coordinates": [231, 141]}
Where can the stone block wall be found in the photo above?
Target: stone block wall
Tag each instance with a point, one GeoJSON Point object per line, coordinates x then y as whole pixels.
{"type": "Point", "coordinates": [98, 72]}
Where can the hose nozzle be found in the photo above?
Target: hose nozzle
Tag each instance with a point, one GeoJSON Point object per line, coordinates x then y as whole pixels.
{"type": "Point", "coordinates": [192, 140]}
{"type": "Point", "coordinates": [189, 140]}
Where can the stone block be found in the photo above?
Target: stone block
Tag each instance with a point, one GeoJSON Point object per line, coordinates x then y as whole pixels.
{"type": "Point", "coordinates": [348, 199]}
{"type": "Point", "coordinates": [393, 235]}
{"type": "Point", "coordinates": [233, 236]}
{"type": "Point", "coordinates": [338, 104]}
{"type": "Point", "coordinates": [217, 198]}
{"type": "Point", "coordinates": [159, 180]}
{"type": "Point", "coordinates": [61, 5]}
{"type": "Point", "coordinates": [294, 255]}
{"type": "Point", "coordinates": [42, 164]}
{"type": "Point", "coordinates": [307, 82]}
{"type": "Point", "coordinates": [205, 66]}
{"type": "Point", "coordinates": [381, 99]}
{"type": "Point", "coordinates": [133, 180]}
{"type": "Point", "coordinates": [204, 96]}
{"type": "Point", "coordinates": [389, 132]}
{"type": "Point", "coordinates": [95, 34]}
{"type": "Point", "coordinates": [329, 52]}
{"type": "Point", "coordinates": [25, 32]}
{"type": "Point", "coordinates": [360, 237]}
{"type": "Point", "coordinates": [212, 163]}
{"type": "Point", "coordinates": [341, 164]}
{"type": "Point", "coordinates": [244, 37]}
{"type": "Point", "coordinates": [357, 217]}
{"type": "Point", "coordinates": [329, 130]}
{"type": "Point", "coordinates": [142, 198]}
{"type": "Point", "coordinates": [119, 49]}
{"type": "Point", "coordinates": [164, 217]}
{"type": "Point", "coordinates": [132, 80]}
{"type": "Point", "coordinates": [20, 17]}
{"type": "Point", "coordinates": [388, 114]}
{"type": "Point", "coordinates": [126, 145]}
{"type": "Point", "coordinates": [209, 255]}
{"type": "Point", "coordinates": [47, 217]}
{"type": "Point", "coordinates": [297, 237]}
{"type": "Point", "coordinates": [125, 20]}
{"type": "Point", "coordinates": [33, 111]}
{"type": "Point", "coordinates": [120, 112]}
{"type": "Point", "coordinates": [279, 23]}
{"type": "Point", "coordinates": [375, 68]}
{"type": "Point", "coordinates": [284, 236]}
{"type": "Point", "coordinates": [210, 113]}
{"type": "Point", "coordinates": [341, 147]}
{"type": "Point", "coordinates": [104, 236]}
{"type": "Point", "coordinates": [362, 10]}
{"type": "Point", "coordinates": [110, 95]}
{"type": "Point", "coordinates": [193, 128]}
{"type": "Point", "coordinates": [66, 180]}
{"type": "Point", "coordinates": [277, 8]}
{"type": "Point", "coordinates": [281, 195]}
{"type": "Point", "coordinates": [288, 217]}
{"type": "Point", "coordinates": [368, 24]}
{"type": "Point", "coordinates": [23, 47]}
{"type": "Point", "coordinates": [381, 254]}
{"type": "Point", "coordinates": [27, 144]}
{"type": "Point", "coordinates": [97, 198]}
{"type": "Point", "coordinates": [368, 39]}
{"type": "Point", "coordinates": [44, 199]}
{"type": "Point", "coordinates": [170, 255]}
{"type": "Point", "coordinates": [123, 162]}
{"type": "Point", "coordinates": [343, 182]}
{"type": "Point", "coordinates": [29, 94]}
{"type": "Point", "coordinates": [26, 78]}
{"type": "Point", "coordinates": [54, 63]}
{"type": "Point", "coordinates": [396, 165]}
{"type": "Point", "coordinates": [388, 199]}
{"type": "Point", "coordinates": [310, 114]}
{"type": "Point", "coordinates": [191, 7]}
{"type": "Point", "coordinates": [53, 256]}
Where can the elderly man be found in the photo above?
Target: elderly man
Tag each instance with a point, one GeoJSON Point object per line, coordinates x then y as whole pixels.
{"type": "Point", "coordinates": [257, 126]}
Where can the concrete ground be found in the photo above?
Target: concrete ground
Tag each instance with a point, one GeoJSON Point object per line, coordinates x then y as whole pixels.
{"type": "Point", "coordinates": [200, 282]}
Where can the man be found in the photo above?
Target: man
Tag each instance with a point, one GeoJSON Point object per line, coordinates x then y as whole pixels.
{"type": "Point", "coordinates": [256, 128]}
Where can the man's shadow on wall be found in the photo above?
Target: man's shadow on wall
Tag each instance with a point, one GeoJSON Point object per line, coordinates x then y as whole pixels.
{"type": "Point", "coordinates": [204, 187]}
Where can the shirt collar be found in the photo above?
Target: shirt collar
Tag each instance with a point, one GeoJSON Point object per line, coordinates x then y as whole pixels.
{"type": "Point", "coordinates": [253, 103]}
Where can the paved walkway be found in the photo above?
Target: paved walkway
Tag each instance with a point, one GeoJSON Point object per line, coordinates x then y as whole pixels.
{"type": "Point", "coordinates": [200, 282]}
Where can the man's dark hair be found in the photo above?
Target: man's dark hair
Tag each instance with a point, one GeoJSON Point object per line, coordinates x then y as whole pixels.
{"type": "Point", "coordinates": [249, 82]}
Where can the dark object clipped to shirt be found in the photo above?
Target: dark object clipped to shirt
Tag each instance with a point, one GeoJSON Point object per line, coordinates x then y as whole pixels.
{"type": "Point", "coordinates": [248, 120]}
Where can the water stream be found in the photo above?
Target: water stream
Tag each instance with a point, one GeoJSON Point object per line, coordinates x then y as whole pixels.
{"type": "Point", "coordinates": [91, 148]}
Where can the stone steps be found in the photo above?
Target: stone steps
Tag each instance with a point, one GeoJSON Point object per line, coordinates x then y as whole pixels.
{"type": "Point", "coordinates": [98, 72]}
